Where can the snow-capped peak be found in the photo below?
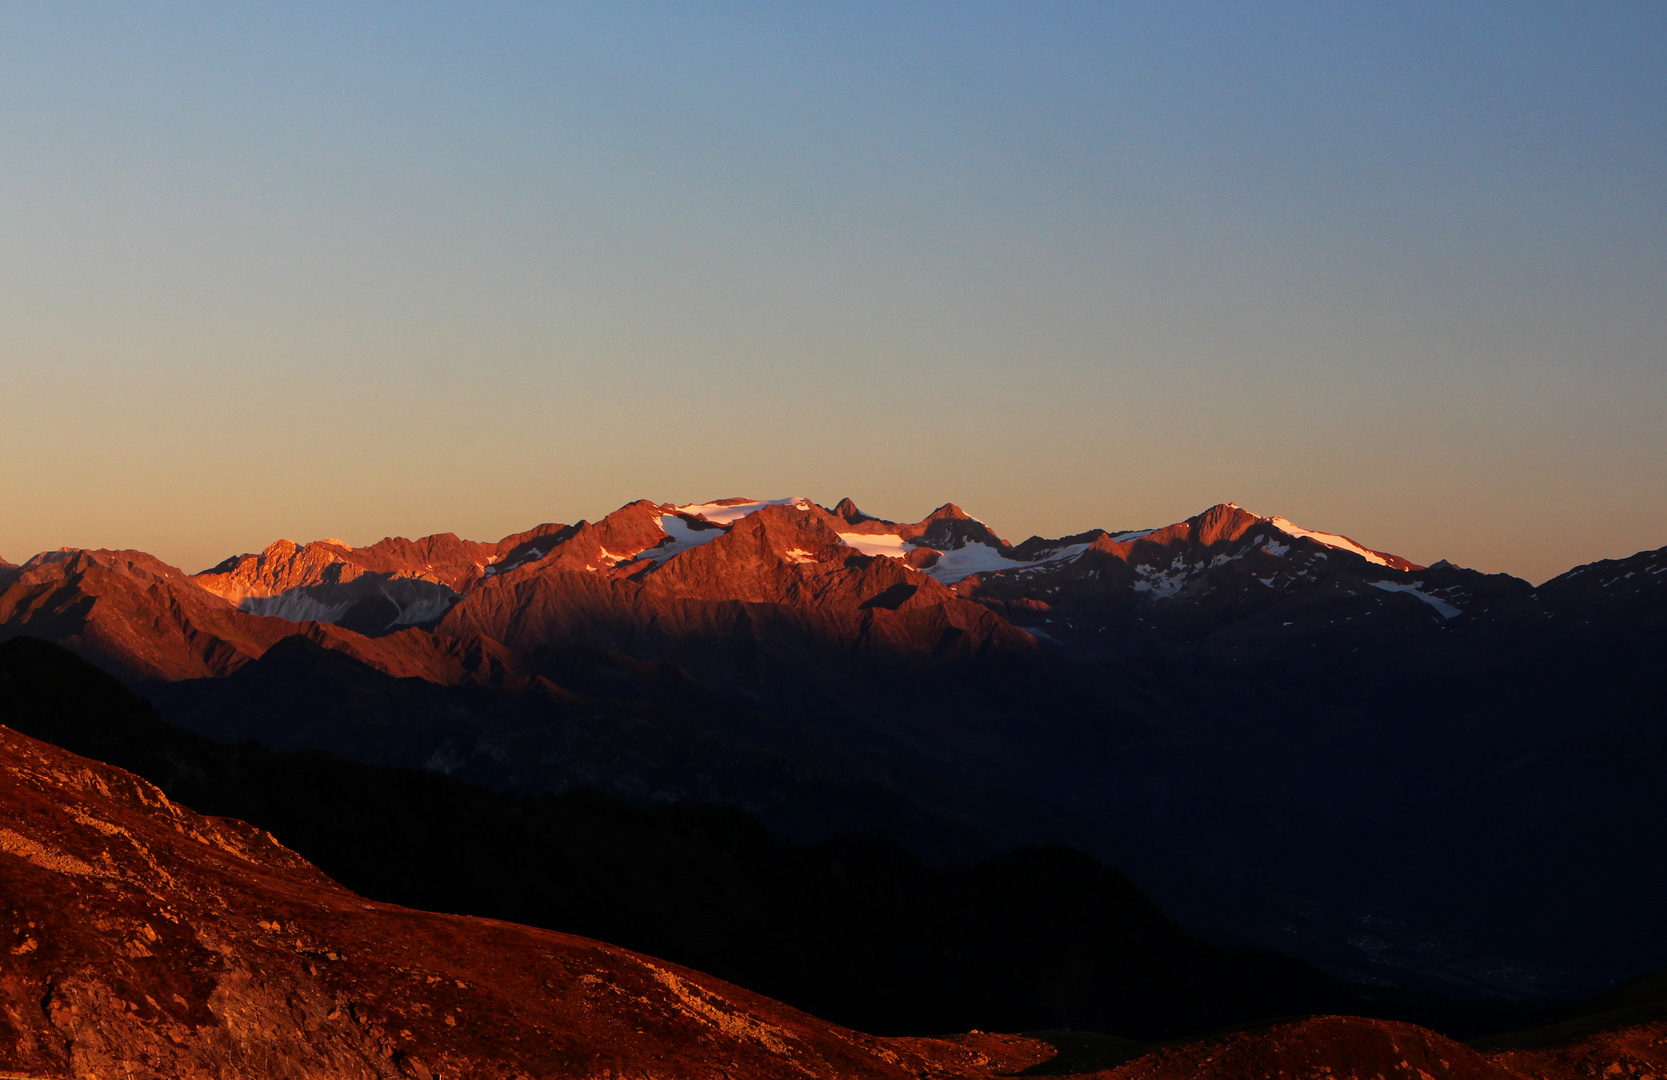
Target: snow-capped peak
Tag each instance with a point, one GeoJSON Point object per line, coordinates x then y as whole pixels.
{"type": "Point", "coordinates": [729, 511]}
{"type": "Point", "coordinates": [1342, 543]}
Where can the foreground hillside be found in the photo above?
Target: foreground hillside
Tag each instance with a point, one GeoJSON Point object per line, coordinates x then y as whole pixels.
{"type": "Point", "coordinates": [146, 941]}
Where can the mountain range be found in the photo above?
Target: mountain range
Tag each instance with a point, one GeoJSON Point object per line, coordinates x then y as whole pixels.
{"type": "Point", "coordinates": [1425, 777]}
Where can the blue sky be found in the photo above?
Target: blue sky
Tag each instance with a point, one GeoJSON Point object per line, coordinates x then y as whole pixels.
{"type": "Point", "coordinates": [1393, 270]}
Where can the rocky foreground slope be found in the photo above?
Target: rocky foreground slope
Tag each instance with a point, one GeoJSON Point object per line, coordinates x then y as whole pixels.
{"type": "Point", "coordinates": [142, 940]}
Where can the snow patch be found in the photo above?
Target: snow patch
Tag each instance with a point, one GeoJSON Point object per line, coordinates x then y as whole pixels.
{"type": "Point", "coordinates": [1447, 610]}
{"type": "Point", "coordinates": [954, 564]}
{"type": "Point", "coordinates": [796, 555]}
{"type": "Point", "coordinates": [721, 514]}
{"type": "Point", "coordinates": [1158, 583]}
{"type": "Point", "coordinates": [420, 611]}
{"type": "Point", "coordinates": [683, 537]}
{"type": "Point", "coordinates": [1342, 543]}
{"type": "Point", "coordinates": [889, 544]}
{"type": "Point", "coordinates": [1124, 538]}
{"type": "Point", "coordinates": [975, 558]}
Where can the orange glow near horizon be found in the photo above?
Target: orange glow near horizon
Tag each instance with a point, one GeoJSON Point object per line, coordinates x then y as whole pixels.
{"type": "Point", "coordinates": [304, 272]}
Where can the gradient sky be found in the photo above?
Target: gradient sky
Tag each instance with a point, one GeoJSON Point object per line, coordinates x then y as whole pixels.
{"type": "Point", "coordinates": [1392, 270]}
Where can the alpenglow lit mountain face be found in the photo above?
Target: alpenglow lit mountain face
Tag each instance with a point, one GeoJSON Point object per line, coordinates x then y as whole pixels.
{"type": "Point", "coordinates": [1285, 736]}
{"type": "Point", "coordinates": [397, 583]}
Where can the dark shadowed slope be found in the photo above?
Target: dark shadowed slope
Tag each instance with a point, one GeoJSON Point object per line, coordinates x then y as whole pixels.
{"type": "Point", "coordinates": [146, 941]}
{"type": "Point", "coordinates": [854, 929]}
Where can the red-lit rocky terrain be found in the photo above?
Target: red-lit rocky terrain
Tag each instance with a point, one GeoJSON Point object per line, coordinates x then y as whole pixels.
{"type": "Point", "coordinates": [651, 577]}
{"type": "Point", "coordinates": [1360, 1049]}
{"type": "Point", "coordinates": [143, 940]}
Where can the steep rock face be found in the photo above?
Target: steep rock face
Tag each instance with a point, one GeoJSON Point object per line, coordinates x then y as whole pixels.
{"type": "Point", "coordinates": [133, 614]}
{"type": "Point", "coordinates": [588, 547]}
{"type": "Point", "coordinates": [284, 565]}
{"type": "Point", "coordinates": [758, 560]}
{"type": "Point", "coordinates": [778, 574]}
{"type": "Point", "coordinates": [147, 941]}
{"type": "Point", "coordinates": [139, 618]}
{"type": "Point", "coordinates": [392, 583]}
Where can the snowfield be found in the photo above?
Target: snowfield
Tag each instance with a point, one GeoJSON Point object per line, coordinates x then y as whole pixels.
{"type": "Point", "coordinates": [1447, 610]}
{"type": "Point", "coordinates": [1342, 543]}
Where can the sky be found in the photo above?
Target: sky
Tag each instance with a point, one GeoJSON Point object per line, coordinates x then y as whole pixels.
{"type": "Point", "coordinates": [301, 270]}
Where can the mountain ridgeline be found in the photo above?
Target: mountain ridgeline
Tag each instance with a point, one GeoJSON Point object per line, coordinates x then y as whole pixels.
{"type": "Point", "coordinates": [1422, 776]}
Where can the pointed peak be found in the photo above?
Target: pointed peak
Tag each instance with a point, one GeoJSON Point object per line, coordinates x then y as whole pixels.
{"type": "Point", "coordinates": [1223, 521]}
{"type": "Point", "coordinates": [641, 510]}
{"type": "Point", "coordinates": [949, 511]}
{"type": "Point", "coordinates": [280, 549]}
{"type": "Point", "coordinates": [1227, 509]}
{"type": "Point", "coordinates": [847, 510]}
